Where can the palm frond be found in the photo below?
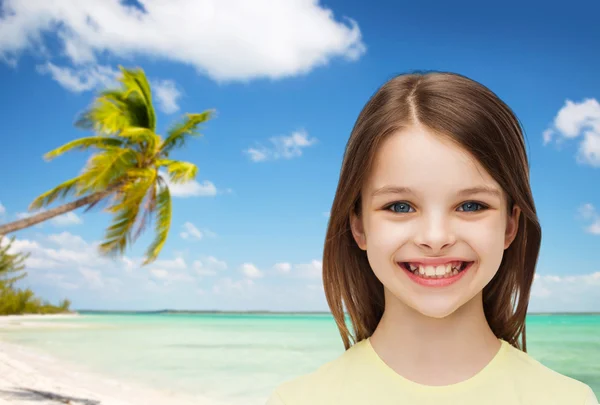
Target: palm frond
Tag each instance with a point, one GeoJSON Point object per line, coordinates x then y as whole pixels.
{"type": "Point", "coordinates": [107, 115]}
{"type": "Point", "coordinates": [163, 222]}
{"type": "Point", "coordinates": [146, 216]}
{"type": "Point", "coordinates": [58, 192]}
{"type": "Point", "coordinates": [131, 106]}
{"type": "Point", "coordinates": [135, 82]}
{"type": "Point", "coordinates": [104, 169]}
{"type": "Point", "coordinates": [179, 172]}
{"type": "Point", "coordinates": [187, 127]}
{"type": "Point", "coordinates": [126, 211]}
{"type": "Point", "coordinates": [100, 142]}
{"type": "Point", "coordinates": [116, 109]}
{"type": "Point", "coordinates": [144, 137]}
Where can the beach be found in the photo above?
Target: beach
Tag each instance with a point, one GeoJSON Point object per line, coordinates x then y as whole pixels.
{"type": "Point", "coordinates": [212, 359]}
{"type": "Point", "coordinates": [31, 377]}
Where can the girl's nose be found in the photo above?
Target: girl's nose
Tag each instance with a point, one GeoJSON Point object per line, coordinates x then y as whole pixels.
{"type": "Point", "coordinates": [434, 233]}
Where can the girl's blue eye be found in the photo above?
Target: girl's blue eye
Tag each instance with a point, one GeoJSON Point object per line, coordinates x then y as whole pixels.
{"type": "Point", "coordinates": [404, 208]}
{"type": "Point", "coordinates": [401, 207]}
{"type": "Point", "coordinates": [471, 206]}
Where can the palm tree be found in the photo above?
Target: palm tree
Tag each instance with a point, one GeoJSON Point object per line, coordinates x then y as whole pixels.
{"type": "Point", "coordinates": [11, 264]}
{"type": "Point", "coordinates": [125, 170]}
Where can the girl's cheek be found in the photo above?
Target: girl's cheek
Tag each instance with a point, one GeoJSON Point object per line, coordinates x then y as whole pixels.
{"type": "Point", "coordinates": [388, 234]}
{"type": "Point", "coordinates": [487, 241]}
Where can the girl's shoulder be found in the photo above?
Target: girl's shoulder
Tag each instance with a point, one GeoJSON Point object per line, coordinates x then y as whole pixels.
{"type": "Point", "coordinates": [526, 371]}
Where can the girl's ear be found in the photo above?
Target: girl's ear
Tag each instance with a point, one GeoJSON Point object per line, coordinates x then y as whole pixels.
{"type": "Point", "coordinates": [358, 231]}
{"type": "Point", "coordinates": [512, 227]}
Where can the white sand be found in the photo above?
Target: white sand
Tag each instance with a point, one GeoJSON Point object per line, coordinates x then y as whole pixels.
{"type": "Point", "coordinates": [28, 321]}
{"type": "Point", "coordinates": [28, 377]}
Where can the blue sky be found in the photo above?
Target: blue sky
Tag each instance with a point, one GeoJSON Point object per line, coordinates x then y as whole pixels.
{"type": "Point", "coordinates": [288, 82]}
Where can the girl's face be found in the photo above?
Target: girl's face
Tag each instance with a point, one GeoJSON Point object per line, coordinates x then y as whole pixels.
{"type": "Point", "coordinates": [430, 207]}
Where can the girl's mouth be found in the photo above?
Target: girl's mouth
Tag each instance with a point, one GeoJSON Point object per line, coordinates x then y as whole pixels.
{"type": "Point", "coordinates": [439, 271]}
{"type": "Point", "coordinates": [440, 275]}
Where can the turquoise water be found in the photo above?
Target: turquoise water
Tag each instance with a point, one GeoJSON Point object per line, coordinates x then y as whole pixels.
{"type": "Point", "coordinates": [240, 358]}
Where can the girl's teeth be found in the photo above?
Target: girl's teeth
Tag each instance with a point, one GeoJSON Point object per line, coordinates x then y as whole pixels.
{"type": "Point", "coordinates": [441, 271]}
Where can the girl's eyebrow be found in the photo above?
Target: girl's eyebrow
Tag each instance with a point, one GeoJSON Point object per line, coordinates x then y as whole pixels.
{"type": "Point", "coordinates": [462, 193]}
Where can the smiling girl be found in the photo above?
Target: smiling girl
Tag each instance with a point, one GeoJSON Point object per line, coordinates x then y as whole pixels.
{"type": "Point", "coordinates": [431, 251]}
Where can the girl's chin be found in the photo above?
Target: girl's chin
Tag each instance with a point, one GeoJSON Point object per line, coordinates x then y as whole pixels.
{"type": "Point", "coordinates": [433, 305]}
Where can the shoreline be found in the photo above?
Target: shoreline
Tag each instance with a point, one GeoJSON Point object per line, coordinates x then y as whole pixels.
{"type": "Point", "coordinates": [32, 376]}
{"type": "Point", "coordinates": [29, 321]}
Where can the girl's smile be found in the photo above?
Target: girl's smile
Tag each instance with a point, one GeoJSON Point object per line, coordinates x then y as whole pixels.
{"type": "Point", "coordinates": [440, 275]}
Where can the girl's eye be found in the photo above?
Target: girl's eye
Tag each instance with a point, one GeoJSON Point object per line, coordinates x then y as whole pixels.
{"type": "Point", "coordinates": [471, 206]}
{"type": "Point", "coordinates": [400, 207]}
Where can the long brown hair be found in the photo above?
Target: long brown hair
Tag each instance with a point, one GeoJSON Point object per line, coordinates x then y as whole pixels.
{"type": "Point", "coordinates": [477, 120]}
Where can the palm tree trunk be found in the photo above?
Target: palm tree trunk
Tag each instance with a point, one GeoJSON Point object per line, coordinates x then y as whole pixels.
{"type": "Point", "coordinates": [46, 215]}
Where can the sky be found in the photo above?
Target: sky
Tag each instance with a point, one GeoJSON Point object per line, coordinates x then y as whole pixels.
{"type": "Point", "coordinates": [287, 80]}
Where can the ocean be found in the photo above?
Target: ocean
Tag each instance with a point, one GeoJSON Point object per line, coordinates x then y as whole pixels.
{"type": "Point", "coordinates": [240, 358]}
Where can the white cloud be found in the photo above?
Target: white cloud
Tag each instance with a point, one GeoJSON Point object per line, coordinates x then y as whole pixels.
{"type": "Point", "coordinates": [209, 266]}
{"type": "Point", "coordinates": [575, 120]}
{"type": "Point", "coordinates": [173, 264]}
{"type": "Point", "coordinates": [574, 117]}
{"type": "Point", "coordinates": [93, 277]}
{"type": "Point", "coordinates": [20, 245]}
{"type": "Point", "coordinates": [68, 240]}
{"type": "Point", "coordinates": [565, 293]}
{"type": "Point", "coordinates": [232, 40]}
{"type": "Point", "coordinates": [284, 147]}
{"type": "Point", "coordinates": [42, 257]}
{"type": "Point", "coordinates": [548, 136]}
{"type": "Point", "coordinates": [75, 263]}
{"type": "Point", "coordinates": [159, 273]}
{"type": "Point", "coordinates": [251, 271]}
{"type": "Point", "coordinates": [191, 232]}
{"type": "Point", "coordinates": [228, 286]}
{"type": "Point", "coordinates": [2, 209]}
{"type": "Point", "coordinates": [68, 219]}
{"type": "Point", "coordinates": [167, 94]}
{"type": "Point", "coordinates": [283, 267]}
{"type": "Point", "coordinates": [190, 189]}
{"type": "Point", "coordinates": [130, 264]}
{"type": "Point", "coordinates": [93, 77]}
{"type": "Point", "coordinates": [588, 212]}
{"type": "Point", "coordinates": [66, 262]}
{"type": "Point", "coordinates": [257, 155]}
{"type": "Point", "coordinates": [59, 281]}
{"type": "Point", "coordinates": [170, 271]}
{"type": "Point", "coordinates": [311, 270]}
{"type": "Point", "coordinates": [80, 79]}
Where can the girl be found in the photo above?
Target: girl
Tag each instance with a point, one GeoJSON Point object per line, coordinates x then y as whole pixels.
{"type": "Point", "coordinates": [431, 250]}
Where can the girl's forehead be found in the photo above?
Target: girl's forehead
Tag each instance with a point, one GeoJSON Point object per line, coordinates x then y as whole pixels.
{"type": "Point", "coordinates": [420, 159]}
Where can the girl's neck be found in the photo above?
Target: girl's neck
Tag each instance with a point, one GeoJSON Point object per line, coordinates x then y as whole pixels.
{"type": "Point", "coordinates": [435, 351]}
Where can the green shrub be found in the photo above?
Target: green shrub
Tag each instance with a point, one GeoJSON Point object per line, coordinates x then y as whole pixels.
{"type": "Point", "coordinates": [14, 301]}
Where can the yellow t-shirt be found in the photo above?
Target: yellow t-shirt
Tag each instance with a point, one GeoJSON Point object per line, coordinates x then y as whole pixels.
{"type": "Point", "coordinates": [360, 377]}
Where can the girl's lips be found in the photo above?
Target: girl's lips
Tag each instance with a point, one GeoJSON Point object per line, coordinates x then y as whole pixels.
{"type": "Point", "coordinates": [436, 282]}
{"type": "Point", "coordinates": [436, 261]}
